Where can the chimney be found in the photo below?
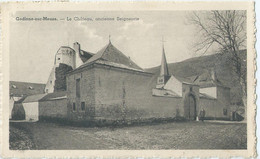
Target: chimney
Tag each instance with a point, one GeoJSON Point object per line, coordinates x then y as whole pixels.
{"type": "Point", "coordinates": [78, 61]}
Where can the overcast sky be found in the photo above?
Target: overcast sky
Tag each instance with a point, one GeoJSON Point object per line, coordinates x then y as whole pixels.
{"type": "Point", "coordinates": [33, 44]}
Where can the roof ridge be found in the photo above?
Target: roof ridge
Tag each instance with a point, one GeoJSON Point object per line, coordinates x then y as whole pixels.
{"type": "Point", "coordinates": [127, 57]}
{"type": "Point", "coordinates": [27, 82]}
{"type": "Point", "coordinates": [105, 48]}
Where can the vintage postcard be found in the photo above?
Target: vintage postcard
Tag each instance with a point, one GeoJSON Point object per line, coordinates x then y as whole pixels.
{"type": "Point", "coordinates": [128, 79]}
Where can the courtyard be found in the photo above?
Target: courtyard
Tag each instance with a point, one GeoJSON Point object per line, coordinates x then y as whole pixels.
{"type": "Point", "coordinates": [174, 135]}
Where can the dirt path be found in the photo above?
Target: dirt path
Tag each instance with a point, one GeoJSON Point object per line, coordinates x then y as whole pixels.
{"type": "Point", "coordinates": [186, 135]}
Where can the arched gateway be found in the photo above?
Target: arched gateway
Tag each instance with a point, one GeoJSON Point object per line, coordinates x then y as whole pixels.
{"type": "Point", "coordinates": [190, 112]}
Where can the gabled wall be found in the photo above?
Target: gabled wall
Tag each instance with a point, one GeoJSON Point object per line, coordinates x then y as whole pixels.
{"type": "Point", "coordinates": [174, 85]}
{"type": "Point", "coordinates": [31, 111]}
{"type": "Point", "coordinates": [210, 91]}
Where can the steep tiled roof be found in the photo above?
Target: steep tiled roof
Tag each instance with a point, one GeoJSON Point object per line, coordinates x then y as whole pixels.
{"type": "Point", "coordinates": [112, 54]}
{"type": "Point", "coordinates": [33, 98]}
{"type": "Point", "coordinates": [85, 55]}
{"type": "Point", "coordinates": [205, 80]}
{"type": "Point", "coordinates": [164, 66]}
{"type": "Point", "coordinates": [25, 88]}
{"type": "Point", "coordinates": [203, 95]}
{"type": "Point", "coordinates": [112, 64]}
{"type": "Point", "coordinates": [55, 95]}
{"type": "Point", "coordinates": [185, 80]}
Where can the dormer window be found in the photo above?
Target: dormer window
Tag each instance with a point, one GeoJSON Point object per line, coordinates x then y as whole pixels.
{"type": "Point", "coordinates": [14, 86]}
{"type": "Point", "coordinates": [30, 87]}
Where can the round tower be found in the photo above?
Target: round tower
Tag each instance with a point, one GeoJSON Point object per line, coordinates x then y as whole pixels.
{"type": "Point", "coordinates": [65, 55]}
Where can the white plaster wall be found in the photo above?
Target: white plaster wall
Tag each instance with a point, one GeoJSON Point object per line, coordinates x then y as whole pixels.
{"type": "Point", "coordinates": [67, 56]}
{"type": "Point", "coordinates": [11, 105]}
{"type": "Point", "coordinates": [174, 85]}
{"type": "Point", "coordinates": [68, 59]}
{"type": "Point", "coordinates": [210, 91]}
{"type": "Point", "coordinates": [31, 111]}
{"type": "Point", "coordinates": [78, 61]}
{"type": "Point", "coordinates": [51, 81]}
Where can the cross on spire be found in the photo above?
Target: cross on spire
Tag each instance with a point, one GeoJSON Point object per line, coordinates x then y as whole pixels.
{"type": "Point", "coordinates": [163, 41]}
{"type": "Point", "coordinates": [109, 36]}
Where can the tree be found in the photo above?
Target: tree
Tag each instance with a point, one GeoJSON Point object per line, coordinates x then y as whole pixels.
{"type": "Point", "coordinates": [225, 30]}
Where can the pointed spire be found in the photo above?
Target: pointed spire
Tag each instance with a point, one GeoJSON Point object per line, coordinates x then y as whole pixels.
{"type": "Point", "coordinates": [109, 36]}
{"type": "Point", "coordinates": [164, 67]}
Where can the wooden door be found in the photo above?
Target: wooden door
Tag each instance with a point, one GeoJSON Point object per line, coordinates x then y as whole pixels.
{"type": "Point", "coordinates": [190, 108]}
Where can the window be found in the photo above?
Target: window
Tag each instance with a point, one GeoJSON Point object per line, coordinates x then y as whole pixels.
{"type": "Point", "coordinates": [14, 86]}
{"type": "Point", "coordinates": [82, 106]}
{"type": "Point", "coordinates": [46, 90]}
{"type": "Point", "coordinates": [74, 107]}
{"type": "Point", "coordinates": [224, 111]}
{"type": "Point", "coordinates": [78, 88]}
{"type": "Point", "coordinates": [30, 87]}
{"type": "Point", "coordinates": [58, 58]}
{"type": "Point", "coordinates": [50, 82]}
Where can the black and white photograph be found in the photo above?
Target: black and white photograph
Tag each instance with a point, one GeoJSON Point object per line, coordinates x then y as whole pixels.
{"type": "Point", "coordinates": [129, 80]}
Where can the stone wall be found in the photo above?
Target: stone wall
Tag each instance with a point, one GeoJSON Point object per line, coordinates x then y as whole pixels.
{"type": "Point", "coordinates": [87, 88]}
{"type": "Point", "coordinates": [117, 94]}
{"type": "Point", "coordinates": [60, 77]}
{"type": "Point", "coordinates": [53, 108]}
{"type": "Point", "coordinates": [210, 107]}
{"type": "Point", "coordinates": [122, 94]}
{"type": "Point", "coordinates": [218, 108]}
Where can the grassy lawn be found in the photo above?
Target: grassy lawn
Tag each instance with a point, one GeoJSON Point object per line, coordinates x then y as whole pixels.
{"type": "Point", "coordinates": [176, 135]}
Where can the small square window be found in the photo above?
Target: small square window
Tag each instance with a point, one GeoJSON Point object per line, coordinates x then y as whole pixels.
{"type": "Point", "coordinates": [83, 106]}
{"type": "Point", "coordinates": [74, 107]}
